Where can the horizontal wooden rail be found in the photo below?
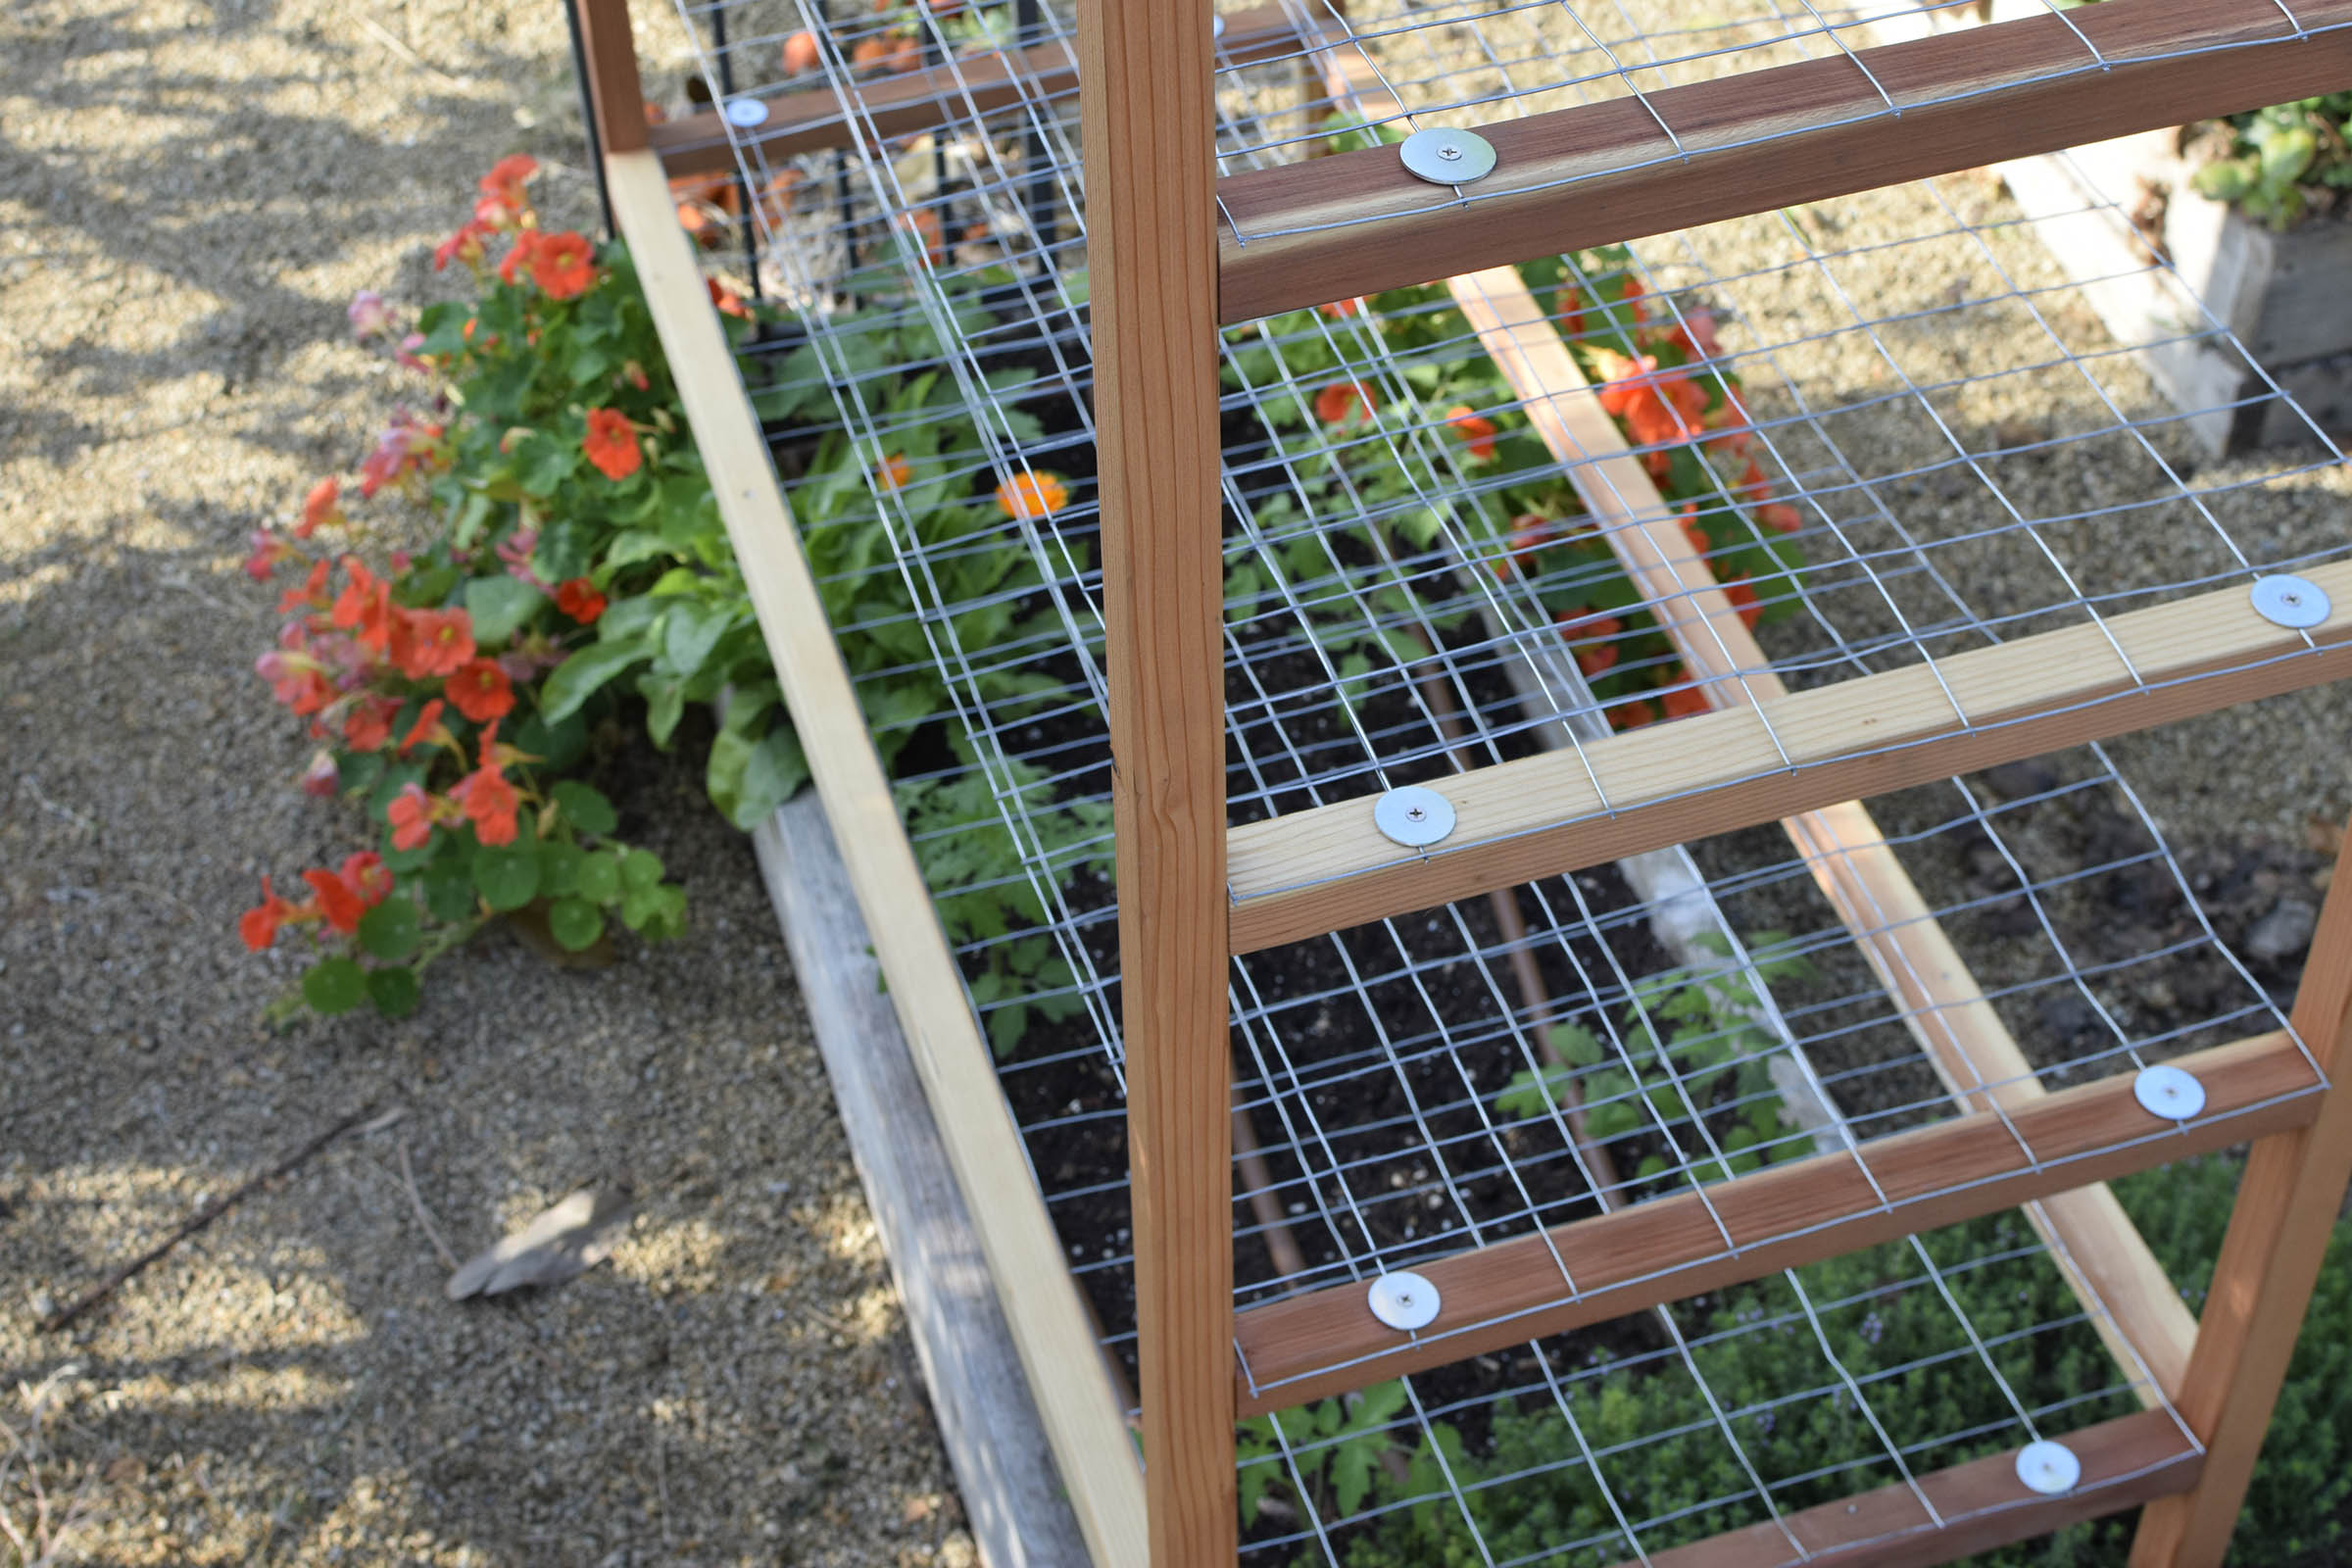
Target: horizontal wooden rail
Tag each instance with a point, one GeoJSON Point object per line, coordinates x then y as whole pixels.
{"type": "Point", "coordinates": [1327, 1341]}
{"type": "Point", "coordinates": [2106, 1261]}
{"type": "Point", "coordinates": [1980, 1504]}
{"type": "Point", "coordinates": [1308, 872]}
{"type": "Point", "coordinates": [814, 118]}
{"type": "Point", "coordinates": [1300, 234]}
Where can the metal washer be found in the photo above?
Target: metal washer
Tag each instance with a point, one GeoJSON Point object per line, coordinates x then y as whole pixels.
{"type": "Point", "coordinates": [2168, 1091]}
{"type": "Point", "coordinates": [2049, 1468]}
{"type": "Point", "coordinates": [1446, 157]}
{"type": "Point", "coordinates": [2296, 603]}
{"type": "Point", "coordinates": [1413, 816]}
{"type": "Point", "coordinates": [1403, 1301]}
{"type": "Point", "coordinates": [747, 111]}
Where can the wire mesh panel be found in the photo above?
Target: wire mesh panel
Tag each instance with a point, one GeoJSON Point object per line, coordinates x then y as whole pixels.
{"type": "Point", "coordinates": [1881, 434]}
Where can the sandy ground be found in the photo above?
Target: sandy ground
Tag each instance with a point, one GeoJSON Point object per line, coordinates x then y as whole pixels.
{"type": "Point", "coordinates": [188, 195]}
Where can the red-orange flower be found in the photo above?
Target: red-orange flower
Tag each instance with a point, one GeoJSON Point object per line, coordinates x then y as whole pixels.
{"type": "Point", "coordinates": [922, 226]}
{"type": "Point", "coordinates": [480, 690]}
{"type": "Point", "coordinates": [368, 724]}
{"type": "Point", "coordinates": [488, 800]}
{"type": "Point", "coordinates": [1743, 595]}
{"type": "Point", "coordinates": [579, 600]}
{"type": "Point", "coordinates": [612, 443]}
{"type": "Point", "coordinates": [1477, 432]}
{"type": "Point", "coordinates": [1032, 495]}
{"type": "Point", "coordinates": [1683, 698]}
{"type": "Point", "coordinates": [728, 302]}
{"type": "Point", "coordinates": [413, 815]}
{"type": "Point", "coordinates": [800, 53]}
{"type": "Point", "coordinates": [319, 507]}
{"type": "Point", "coordinates": [1589, 635]}
{"type": "Point", "coordinates": [894, 472]}
{"type": "Point", "coordinates": [1632, 716]}
{"type": "Point", "coordinates": [1340, 309]}
{"type": "Point", "coordinates": [364, 606]}
{"type": "Point", "coordinates": [511, 269]}
{"type": "Point", "coordinates": [1780, 518]}
{"type": "Point", "coordinates": [428, 730]}
{"type": "Point", "coordinates": [367, 875]}
{"type": "Point", "coordinates": [1342, 399]}
{"type": "Point", "coordinates": [338, 902]}
{"type": "Point", "coordinates": [563, 266]}
{"type": "Point", "coordinates": [465, 245]}
{"type": "Point", "coordinates": [1572, 311]}
{"type": "Point", "coordinates": [431, 642]}
{"type": "Point", "coordinates": [312, 595]}
{"type": "Point", "coordinates": [258, 927]}
{"type": "Point", "coordinates": [1660, 408]}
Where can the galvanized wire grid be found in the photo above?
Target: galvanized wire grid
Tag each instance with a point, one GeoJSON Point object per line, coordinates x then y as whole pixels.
{"type": "Point", "coordinates": [1969, 460]}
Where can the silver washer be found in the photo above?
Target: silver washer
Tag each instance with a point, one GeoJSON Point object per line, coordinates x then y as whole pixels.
{"type": "Point", "coordinates": [2049, 1468]}
{"type": "Point", "coordinates": [1413, 816]}
{"type": "Point", "coordinates": [1403, 1301]}
{"type": "Point", "coordinates": [1216, 28]}
{"type": "Point", "coordinates": [2296, 603]}
{"type": "Point", "coordinates": [1448, 156]}
{"type": "Point", "coordinates": [2168, 1091]}
{"type": "Point", "coordinates": [747, 111]}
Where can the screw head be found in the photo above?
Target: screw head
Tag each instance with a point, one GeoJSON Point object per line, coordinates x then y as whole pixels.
{"type": "Point", "coordinates": [1403, 1301]}
{"type": "Point", "coordinates": [1413, 816]}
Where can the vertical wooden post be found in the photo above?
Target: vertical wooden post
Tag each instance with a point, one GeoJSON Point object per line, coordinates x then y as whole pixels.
{"type": "Point", "coordinates": [2286, 1208]}
{"type": "Point", "coordinates": [614, 94]}
{"type": "Point", "coordinates": [1146, 106]}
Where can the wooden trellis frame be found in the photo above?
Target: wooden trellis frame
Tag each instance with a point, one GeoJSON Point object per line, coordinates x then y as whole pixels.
{"type": "Point", "coordinates": [1167, 268]}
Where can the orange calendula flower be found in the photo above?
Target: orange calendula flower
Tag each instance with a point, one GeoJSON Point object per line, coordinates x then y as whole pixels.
{"type": "Point", "coordinates": [480, 690]}
{"type": "Point", "coordinates": [612, 443]}
{"type": "Point", "coordinates": [1344, 399]}
{"type": "Point", "coordinates": [428, 730]}
{"type": "Point", "coordinates": [431, 642]}
{"type": "Point", "coordinates": [1477, 431]}
{"type": "Point", "coordinates": [1032, 495]}
{"type": "Point", "coordinates": [578, 599]}
{"type": "Point", "coordinates": [563, 266]}
{"type": "Point", "coordinates": [894, 472]}
{"type": "Point", "coordinates": [340, 904]}
{"type": "Point", "coordinates": [258, 927]}
{"type": "Point", "coordinates": [319, 506]}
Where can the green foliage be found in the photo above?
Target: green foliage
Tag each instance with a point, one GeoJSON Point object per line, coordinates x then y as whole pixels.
{"type": "Point", "coordinates": [1713, 1052]}
{"type": "Point", "coordinates": [2280, 157]}
{"type": "Point", "coordinates": [1340, 1450]}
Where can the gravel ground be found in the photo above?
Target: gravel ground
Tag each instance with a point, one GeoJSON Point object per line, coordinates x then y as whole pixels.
{"type": "Point", "coordinates": [188, 195]}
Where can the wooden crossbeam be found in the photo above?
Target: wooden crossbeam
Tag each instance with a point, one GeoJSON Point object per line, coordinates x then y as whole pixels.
{"type": "Point", "coordinates": [1300, 234]}
{"type": "Point", "coordinates": [815, 118]}
{"type": "Point", "coordinates": [1327, 1341]}
{"type": "Point", "coordinates": [2106, 1261]}
{"type": "Point", "coordinates": [1978, 1506]}
{"type": "Point", "coordinates": [1308, 872]}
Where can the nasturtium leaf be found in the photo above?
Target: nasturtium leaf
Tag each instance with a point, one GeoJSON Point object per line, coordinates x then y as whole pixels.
{"type": "Point", "coordinates": [585, 808]}
{"type": "Point", "coordinates": [334, 985]}
{"type": "Point", "coordinates": [499, 606]}
{"type": "Point", "coordinates": [390, 929]}
{"type": "Point", "coordinates": [507, 876]}
{"type": "Point", "coordinates": [574, 923]}
{"type": "Point", "coordinates": [356, 773]}
{"type": "Point", "coordinates": [640, 869]}
{"type": "Point", "coordinates": [393, 991]}
{"type": "Point", "coordinates": [560, 865]}
{"type": "Point", "coordinates": [553, 746]}
{"type": "Point", "coordinates": [449, 894]}
{"type": "Point", "coordinates": [598, 879]}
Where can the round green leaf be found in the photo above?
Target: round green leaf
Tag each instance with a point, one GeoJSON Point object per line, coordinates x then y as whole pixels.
{"type": "Point", "coordinates": [640, 869]}
{"type": "Point", "coordinates": [448, 889]}
{"type": "Point", "coordinates": [390, 930]}
{"type": "Point", "coordinates": [598, 879]}
{"type": "Point", "coordinates": [507, 875]}
{"type": "Point", "coordinates": [560, 868]}
{"type": "Point", "coordinates": [393, 991]}
{"type": "Point", "coordinates": [574, 923]}
{"type": "Point", "coordinates": [334, 985]}
{"type": "Point", "coordinates": [586, 808]}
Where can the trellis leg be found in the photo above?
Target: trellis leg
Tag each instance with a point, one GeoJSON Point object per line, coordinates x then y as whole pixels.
{"type": "Point", "coordinates": [615, 96]}
{"type": "Point", "coordinates": [2279, 1230]}
{"type": "Point", "coordinates": [1146, 110]}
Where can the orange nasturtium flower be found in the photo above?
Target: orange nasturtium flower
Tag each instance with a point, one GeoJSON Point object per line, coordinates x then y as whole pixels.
{"type": "Point", "coordinates": [319, 507]}
{"type": "Point", "coordinates": [368, 724]}
{"type": "Point", "coordinates": [1660, 408]}
{"type": "Point", "coordinates": [1632, 716]}
{"type": "Point", "coordinates": [501, 187]}
{"type": "Point", "coordinates": [413, 814]}
{"type": "Point", "coordinates": [367, 875]}
{"type": "Point", "coordinates": [612, 443]}
{"type": "Point", "coordinates": [1683, 698]}
{"type": "Point", "coordinates": [1475, 430]}
{"type": "Point", "coordinates": [894, 472]}
{"type": "Point", "coordinates": [578, 599]}
{"type": "Point", "coordinates": [428, 730]}
{"type": "Point", "coordinates": [364, 606]}
{"type": "Point", "coordinates": [480, 690]}
{"type": "Point", "coordinates": [489, 800]}
{"type": "Point", "coordinates": [1032, 495]}
{"type": "Point", "coordinates": [431, 642]}
{"type": "Point", "coordinates": [728, 302]}
{"type": "Point", "coordinates": [1337, 401]}
{"type": "Point", "coordinates": [338, 902]}
{"type": "Point", "coordinates": [563, 266]}
{"type": "Point", "coordinates": [258, 927]}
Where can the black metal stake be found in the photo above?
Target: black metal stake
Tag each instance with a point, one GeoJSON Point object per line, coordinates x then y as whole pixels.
{"type": "Point", "coordinates": [579, 78]}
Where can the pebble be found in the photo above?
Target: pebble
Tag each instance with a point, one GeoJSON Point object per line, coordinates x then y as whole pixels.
{"type": "Point", "coordinates": [2282, 933]}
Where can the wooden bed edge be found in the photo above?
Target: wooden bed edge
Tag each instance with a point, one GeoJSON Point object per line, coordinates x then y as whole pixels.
{"type": "Point", "coordinates": [1326, 1342]}
{"type": "Point", "coordinates": [1040, 1300]}
{"type": "Point", "coordinates": [980, 1397]}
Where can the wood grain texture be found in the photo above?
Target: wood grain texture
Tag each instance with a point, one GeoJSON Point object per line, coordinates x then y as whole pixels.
{"type": "Point", "coordinates": [1982, 1504]}
{"type": "Point", "coordinates": [1147, 118]}
{"type": "Point", "coordinates": [1308, 872]}
{"type": "Point", "coordinates": [1327, 1341]}
{"type": "Point", "coordinates": [1602, 172]}
{"type": "Point", "coordinates": [616, 96]}
{"type": "Point", "coordinates": [1025, 1260]}
{"type": "Point", "coordinates": [988, 1421]}
{"type": "Point", "coordinates": [816, 118]}
{"type": "Point", "coordinates": [2287, 1203]}
{"type": "Point", "coordinates": [2131, 1302]}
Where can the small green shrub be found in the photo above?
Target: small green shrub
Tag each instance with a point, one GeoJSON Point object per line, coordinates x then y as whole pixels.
{"type": "Point", "coordinates": [2284, 157]}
